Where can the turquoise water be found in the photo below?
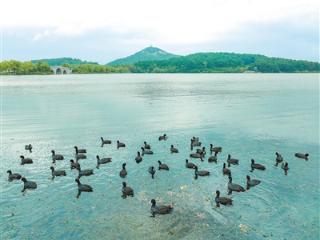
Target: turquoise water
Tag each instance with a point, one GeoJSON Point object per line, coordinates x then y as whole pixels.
{"type": "Point", "coordinates": [250, 115]}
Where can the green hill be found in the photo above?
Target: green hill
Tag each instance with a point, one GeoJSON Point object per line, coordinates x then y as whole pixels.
{"type": "Point", "coordinates": [225, 62]}
{"type": "Point", "coordinates": [147, 54]}
{"type": "Point", "coordinates": [62, 61]}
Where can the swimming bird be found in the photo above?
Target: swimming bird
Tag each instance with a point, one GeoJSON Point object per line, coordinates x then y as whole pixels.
{"type": "Point", "coordinates": [196, 155]}
{"type": "Point", "coordinates": [13, 176]}
{"type": "Point", "coordinates": [213, 158]}
{"type": "Point", "coordinates": [146, 145]}
{"type": "Point", "coordinates": [304, 156]}
{"type": "Point", "coordinates": [138, 158]}
{"type": "Point", "coordinates": [123, 173]}
{"type": "Point", "coordinates": [163, 166]}
{"type": "Point", "coordinates": [28, 184]}
{"type": "Point", "coordinates": [152, 171]}
{"type": "Point", "coordinates": [74, 165]}
{"type": "Point", "coordinates": [25, 160]}
{"type": "Point", "coordinates": [195, 143]}
{"type": "Point", "coordinates": [252, 182]}
{"type": "Point", "coordinates": [80, 150]}
{"type": "Point", "coordinates": [285, 167]}
{"type": "Point", "coordinates": [102, 161]}
{"type": "Point", "coordinates": [279, 158]}
{"type": "Point", "coordinates": [105, 141]}
{"type": "Point", "coordinates": [159, 209]}
{"type": "Point", "coordinates": [80, 156]}
{"type": "Point", "coordinates": [28, 147]}
{"type": "Point", "coordinates": [201, 173]}
{"type": "Point", "coordinates": [126, 191]}
{"type": "Point", "coordinates": [120, 144]}
{"type": "Point", "coordinates": [201, 151]}
{"type": "Point", "coordinates": [232, 161]}
{"type": "Point", "coordinates": [190, 164]}
{"type": "Point", "coordinates": [222, 200]}
{"type": "Point", "coordinates": [232, 187]}
{"type": "Point", "coordinates": [146, 151]}
{"type": "Point", "coordinates": [163, 137]}
{"type": "Point", "coordinates": [82, 187]}
{"type": "Point", "coordinates": [56, 157]}
{"type": "Point", "coordinates": [85, 172]}
{"type": "Point", "coordinates": [256, 166]}
{"type": "Point", "coordinates": [173, 149]}
{"type": "Point", "coordinates": [225, 171]}
{"type": "Point", "coordinates": [57, 173]}
{"type": "Point", "coordinates": [215, 149]}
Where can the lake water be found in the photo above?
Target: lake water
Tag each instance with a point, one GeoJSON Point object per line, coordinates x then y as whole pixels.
{"type": "Point", "coordinates": [250, 115]}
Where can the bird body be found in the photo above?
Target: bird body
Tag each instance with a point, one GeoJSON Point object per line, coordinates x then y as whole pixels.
{"type": "Point", "coordinates": [25, 160]}
{"type": "Point", "coordinates": [13, 176]}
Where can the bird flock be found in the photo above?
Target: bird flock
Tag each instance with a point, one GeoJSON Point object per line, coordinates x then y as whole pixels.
{"type": "Point", "coordinates": [199, 153]}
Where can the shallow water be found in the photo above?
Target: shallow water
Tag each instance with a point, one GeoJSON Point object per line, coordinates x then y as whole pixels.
{"type": "Point", "coordinates": [250, 115]}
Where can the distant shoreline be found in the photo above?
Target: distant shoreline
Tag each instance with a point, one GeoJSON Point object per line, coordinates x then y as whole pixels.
{"type": "Point", "coordinates": [187, 73]}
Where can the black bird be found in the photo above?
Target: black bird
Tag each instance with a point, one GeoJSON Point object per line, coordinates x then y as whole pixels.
{"type": "Point", "coordinates": [138, 158]}
{"type": "Point", "coordinates": [152, 171]}
{"type": "Point", "coordinates": [13, 176]}
{"type": "Point", "coordinates": [126, 191]}
{"type": "Point", "coordinates": [225, 171]}
{"type": "Point", "coordinates": [123, 173]}
{"type": "Point", "coordinates": [256, 166]}
{"type": "Point", "coordinates": [232, 161]}
{"type": "Point", "coordinates": [146, 146]}
{"type": "Point", "coordinates": [285, 167]}
{"type": "Point", "coordinates": [163, 166]}
{"type": "Point", "coordinates": [80, 150]}
{"type": "Point", "coordinates": [232, 187]}
{"type": "Point", "coordinates": [159, 209]}
{"type": "Point", "coordinates": [74, 165]}
{"type": "Point", "coordinates": [28, 148]}
{"type": "Point", "coordinates": [120, 144]}
{"type": "Point", "coordinates": [25, 160]}
{"type": "Point", "coordinates": [102, 161]}
{"type": "Point", "coordinates": [201, 173]}
{"type": "Point", "coordinates": [105, 141]}
{"type": "Point", "coordinates": [279, 158]}
{"type": "Point", "coordinates": [85, 172]}
{"type": "Point", "coordinates": [190, 164]}
{"type": "Point", "coordinates": [196, 155]}
{"type": "Point", "coordinates": [222, 200]}
{"type": "Point", "coordinates": [252, 182]}
{"type": "Point", "coordinates": [163, 137]}
{"type": "Point", "coordinates": [202, 151]}
{"type": "Point", "coordinates": [57, 173]}
{"type": "Point", "coordinates": [146, 151]}
{"type": "Point", "coordinates": [173, 149]}
{"type": "Point", "coordinates": [213, 158]}
{"type": "Point", "coordinates": [28, 184]}
{"type": "Point", "coordinates": [56, 157]}
{"type": "Point", "coordinates": [82, 187]}
{"type": "Point", "coordinates": [216, 150]}
{"type": "Point", "coordinates": [304, 156]}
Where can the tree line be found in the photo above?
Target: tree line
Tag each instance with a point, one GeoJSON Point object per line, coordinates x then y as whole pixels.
{"type": "Point", "coordinates": [194, 63]}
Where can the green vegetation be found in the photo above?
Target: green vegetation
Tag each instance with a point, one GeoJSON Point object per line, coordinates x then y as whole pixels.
{"type": "Point", "coordinates": [225, 62]}
{"type": "Point", "coordinates": [23, 68]}
{"type": "Point", "coordinates": [147, 54]}
{"type": "Point", "coordinates": [62, 61]}
{"type": "Point", "coordinates": [93, 68]}
{"type": "Point", "coordinates": [194, 63]}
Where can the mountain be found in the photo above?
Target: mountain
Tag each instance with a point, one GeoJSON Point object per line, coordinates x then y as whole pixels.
{"type": "Point", "coordinates": [225, 62]}
{"type": "Point", "coordinates": [61, 61]}
{"type": "Point", "coordinates": [147, 54]}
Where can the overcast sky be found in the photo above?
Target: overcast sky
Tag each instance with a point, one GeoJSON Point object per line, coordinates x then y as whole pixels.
{"type": "Point", "coordinates": [103, 30]}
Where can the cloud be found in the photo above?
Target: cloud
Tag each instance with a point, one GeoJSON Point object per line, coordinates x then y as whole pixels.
{"type": "Point", "coordinates": [103, 30]}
